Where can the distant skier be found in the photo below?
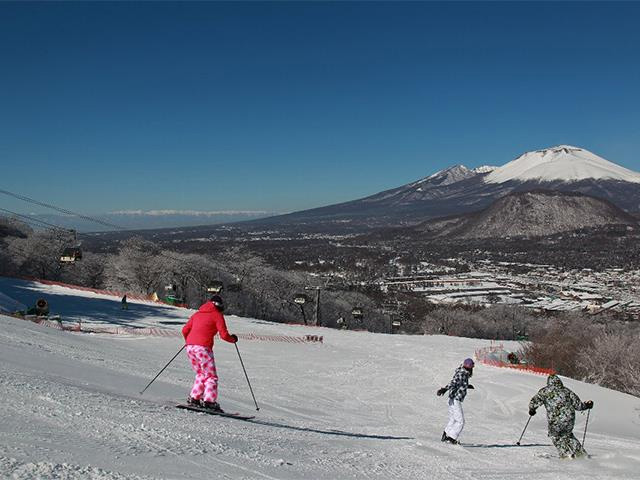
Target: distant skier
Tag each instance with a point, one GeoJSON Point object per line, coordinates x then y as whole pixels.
{"type": "Point", "coordinates": [125, 306]}
{"type": "Point", "coordinates": [457, 392]}
{"type": "Point", "coordinates": [561, 404]}
{"type": "Point", "coordinates": [198, 335]}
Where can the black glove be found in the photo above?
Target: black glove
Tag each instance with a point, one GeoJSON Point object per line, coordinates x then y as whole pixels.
{"type": "Point", "coordinates": [234, 338]}
{"type": "Point", "coordinates": [532, 411]}
{"type": "Point", "coordinates": [588, 404]}
{"type": "Point", "coordinates": [471, 387]}
{"type": "Point", "coordinates": [442, 391]}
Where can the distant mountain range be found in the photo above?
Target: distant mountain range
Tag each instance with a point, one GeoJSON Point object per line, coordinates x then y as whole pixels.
{"type": "Point", "coordinates": [450, 192]}
{"type": "Point", "coordinates": [458, 189]}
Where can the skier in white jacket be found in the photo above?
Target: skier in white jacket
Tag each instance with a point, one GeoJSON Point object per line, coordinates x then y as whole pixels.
{"type": "Point", "coordinates": [457, 392]}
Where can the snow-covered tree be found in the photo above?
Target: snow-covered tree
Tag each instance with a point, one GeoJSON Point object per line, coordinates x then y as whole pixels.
{"type": "Point", "coordinates": [137, 267]}
{"type": "Point", "coordinates": [39, 253]}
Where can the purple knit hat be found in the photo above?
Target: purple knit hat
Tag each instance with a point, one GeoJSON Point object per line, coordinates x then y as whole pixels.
{"type": "Point", "coordinates": [468, 363]}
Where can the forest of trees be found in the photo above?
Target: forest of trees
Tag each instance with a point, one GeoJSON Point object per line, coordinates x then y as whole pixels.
{"type": "Point", "coordinates": [600, 349]}
{"type": "Point", "coordinates": [139, 266]}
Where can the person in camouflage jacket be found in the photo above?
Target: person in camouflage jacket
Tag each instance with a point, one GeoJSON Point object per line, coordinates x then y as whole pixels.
{"type": "Point", "coordinates": [561, 405]}
{"type": "Point", "coordinates": [457, 392]}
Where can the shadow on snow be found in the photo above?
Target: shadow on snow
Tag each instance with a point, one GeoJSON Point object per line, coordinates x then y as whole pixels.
{"type": "Point", "coordinates": [72, 308]}
{"type": "Point", "coordinates": [328, 432]}
{"type": "Point", "coordinates": [504, 445]}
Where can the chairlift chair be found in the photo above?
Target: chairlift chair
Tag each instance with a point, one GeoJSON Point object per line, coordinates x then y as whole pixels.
{"type": "Point", "coordinates": [215, 287]}
{"type": "Point", "coordinates": [71, 255]}
{"type": "Point", "coordinates": [300, 299]}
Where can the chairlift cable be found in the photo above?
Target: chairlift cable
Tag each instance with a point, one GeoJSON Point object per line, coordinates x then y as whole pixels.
{"type": "Point", "coordinates": [79, 215]}
{"type": "Point", "coordinates": [31, 219]}
{"type": "Point", "coordinates": [61, 210]}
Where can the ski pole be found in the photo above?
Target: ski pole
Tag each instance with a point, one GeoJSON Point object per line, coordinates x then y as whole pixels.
{"type": "Point", "coordinates": [247, 377]}
{"type": "Point", "coordinates": [154, 378]}
{"type": "Point", "coordinates": [525, 428]}
{"type": "Point", "coordinates": [585, 427]}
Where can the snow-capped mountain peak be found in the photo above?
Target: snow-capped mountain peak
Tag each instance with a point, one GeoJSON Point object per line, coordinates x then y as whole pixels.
{"type": "Point", "coordinates": [453, 174]}
{"type": "Point", "coordinates": [448, 176]}
{"type": "Point", "coordinates": [561, 163]}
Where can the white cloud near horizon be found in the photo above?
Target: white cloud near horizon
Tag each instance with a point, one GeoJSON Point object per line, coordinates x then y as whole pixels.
{"type": "Point", "coordinates": [196, 213]}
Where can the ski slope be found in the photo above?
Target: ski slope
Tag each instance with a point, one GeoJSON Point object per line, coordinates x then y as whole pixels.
{"type": "Point", "coordinates": [358, 406]}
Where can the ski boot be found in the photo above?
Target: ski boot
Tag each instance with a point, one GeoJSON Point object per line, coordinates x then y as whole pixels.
{"type": "Point", "coordinates": [193, 402]}
{"type": "Point", "coordinates": [448, 439]}
{"type": "Point", "coordinates": [213, 406]}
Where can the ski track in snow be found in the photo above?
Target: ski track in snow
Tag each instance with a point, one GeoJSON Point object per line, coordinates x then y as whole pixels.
{"type": "Point", "coordinates": [358, 406]}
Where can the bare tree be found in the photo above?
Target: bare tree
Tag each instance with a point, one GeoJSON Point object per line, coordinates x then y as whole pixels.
{"type": "Point", "coordinates": [559, 345]}
{"type": "Point", "coordinates": [613, 361]}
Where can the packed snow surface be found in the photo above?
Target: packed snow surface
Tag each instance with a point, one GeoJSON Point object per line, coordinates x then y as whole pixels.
{"type": "Point", "coordinates": [564, 163]}
{"type": "Point", "coordinates": [357, 406]}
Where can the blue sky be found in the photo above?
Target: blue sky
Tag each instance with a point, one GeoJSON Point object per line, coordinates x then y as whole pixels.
{"type": "Point", "coordinates": [286, 106]}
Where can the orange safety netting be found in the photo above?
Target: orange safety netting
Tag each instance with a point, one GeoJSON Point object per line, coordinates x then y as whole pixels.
{"type": "Point", "coordinates": [496, 356]}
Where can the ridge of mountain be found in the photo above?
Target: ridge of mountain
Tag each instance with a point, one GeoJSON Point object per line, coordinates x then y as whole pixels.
{"type": "Point", "coordinates": [530, 214]}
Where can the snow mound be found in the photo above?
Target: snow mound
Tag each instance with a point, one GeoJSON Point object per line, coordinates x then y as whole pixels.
{"type": "Point", "coordinates": [564, 163]}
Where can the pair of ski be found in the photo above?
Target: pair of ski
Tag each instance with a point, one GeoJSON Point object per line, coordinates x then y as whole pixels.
{"type": "Point", "coordinates": [195, 408]}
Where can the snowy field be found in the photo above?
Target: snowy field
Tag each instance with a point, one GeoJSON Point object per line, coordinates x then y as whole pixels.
{"type": "Point", "coordinates": [359, 405]}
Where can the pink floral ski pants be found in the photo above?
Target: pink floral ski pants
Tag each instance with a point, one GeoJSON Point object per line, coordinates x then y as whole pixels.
{"type": "Point", "coordinates": [204, 365]}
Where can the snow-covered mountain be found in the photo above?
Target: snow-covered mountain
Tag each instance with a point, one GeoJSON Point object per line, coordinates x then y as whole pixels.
{"type": "Point", "coordinates": [453, 174]}
{"type": "Point", "coordinates": [448, 176]}
{"type": "Point", "coordinates": [459, 189]}
{"type": "Point", "coordinates": [562, 163]}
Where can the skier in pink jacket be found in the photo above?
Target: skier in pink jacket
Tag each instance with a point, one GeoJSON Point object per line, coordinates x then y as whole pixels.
{"type": "Point", "coordinates": [198, 334]}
